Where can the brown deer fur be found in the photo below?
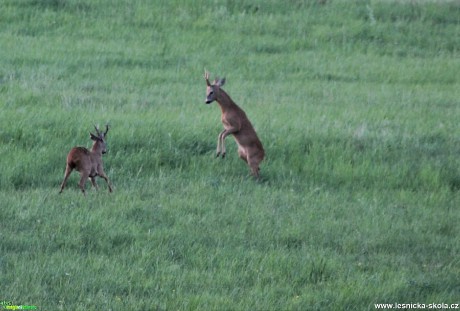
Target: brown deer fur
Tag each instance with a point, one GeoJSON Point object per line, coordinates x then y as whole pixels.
{"type": "Point", "coordinates": [88, 162]}
{"type": "Point", "coordinates": [235, 123]}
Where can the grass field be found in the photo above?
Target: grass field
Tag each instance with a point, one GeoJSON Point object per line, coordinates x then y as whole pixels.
{"type": "Point", "coordinates": [356, 103]}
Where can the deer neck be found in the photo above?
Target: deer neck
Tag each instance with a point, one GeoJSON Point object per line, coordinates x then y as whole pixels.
{"type": "Point", "coordinates": [96, 149]}
{"type": "Point", "coordinates": [225, 102]}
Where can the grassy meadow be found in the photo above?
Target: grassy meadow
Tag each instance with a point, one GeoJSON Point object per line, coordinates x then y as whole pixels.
{"type": "Point", "coordinates": [356, 103]}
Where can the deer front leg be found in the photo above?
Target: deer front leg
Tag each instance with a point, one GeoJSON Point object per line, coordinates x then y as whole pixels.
{"type": "Point", "coordinates": [103, 175]}
{"type": "Point", "coordinates": [223, 136]}
{"type": "Point", "coordinates": [83, 178]}
{"type": "Point", "coordinates": [219, 142]}
{"type": "Point", "coordinates": [93, 181]}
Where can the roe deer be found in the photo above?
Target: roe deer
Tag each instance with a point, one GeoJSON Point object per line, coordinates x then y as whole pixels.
{"type": "Point", "coordinates": [235, 122]}
{"type": "Point", "coordinates": [88, 162]}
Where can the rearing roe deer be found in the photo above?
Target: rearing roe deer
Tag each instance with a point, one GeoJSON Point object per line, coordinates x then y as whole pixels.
{"type": "Point", "coordinates": [235, 122]}
{"type": "Point", "coordinates": [88, 162]}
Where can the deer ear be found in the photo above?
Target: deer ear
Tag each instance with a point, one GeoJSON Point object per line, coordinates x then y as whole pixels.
{"type": "Point", "coordinates": [221, 82]}
{"type": "Point", "coordinates": [92, 136]}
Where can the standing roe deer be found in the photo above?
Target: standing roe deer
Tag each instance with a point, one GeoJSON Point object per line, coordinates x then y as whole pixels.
{"type": "Point", "coordinates": [235, 122]}
{"type": "Point", "coordinates": [88, 162]}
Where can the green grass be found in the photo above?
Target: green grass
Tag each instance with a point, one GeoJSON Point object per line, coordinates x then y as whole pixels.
{"type": "Point", "coordinates": [356, 103]}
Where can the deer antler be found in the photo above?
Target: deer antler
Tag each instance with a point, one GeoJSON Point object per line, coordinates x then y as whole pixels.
{"type": "Point", "coordinates": [206, 77]}
{"type": "Point", "coordinates": [96, 127]}
{"type": "Point", "coordinates": [106, 129]}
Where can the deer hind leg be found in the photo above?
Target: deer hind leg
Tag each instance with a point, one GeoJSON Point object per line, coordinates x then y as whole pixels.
{"type": "Point", "coordinates": [242, 154]}
{"type": "Point", "coordinates": [253, 163]}
{"type": "Point", "coordinates": [255, 169]}
{"type": "Point", "coordinates": [68, 170]}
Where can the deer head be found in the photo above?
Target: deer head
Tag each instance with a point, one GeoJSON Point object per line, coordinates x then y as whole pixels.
{"type": "Point", "coordinates": [212, 90]}
{"type": "Point", "coordinates": [99, 139]}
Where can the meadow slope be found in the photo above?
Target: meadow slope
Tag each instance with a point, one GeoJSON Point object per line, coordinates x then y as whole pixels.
{"type": "Point", "coordinates": [356, 103]}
